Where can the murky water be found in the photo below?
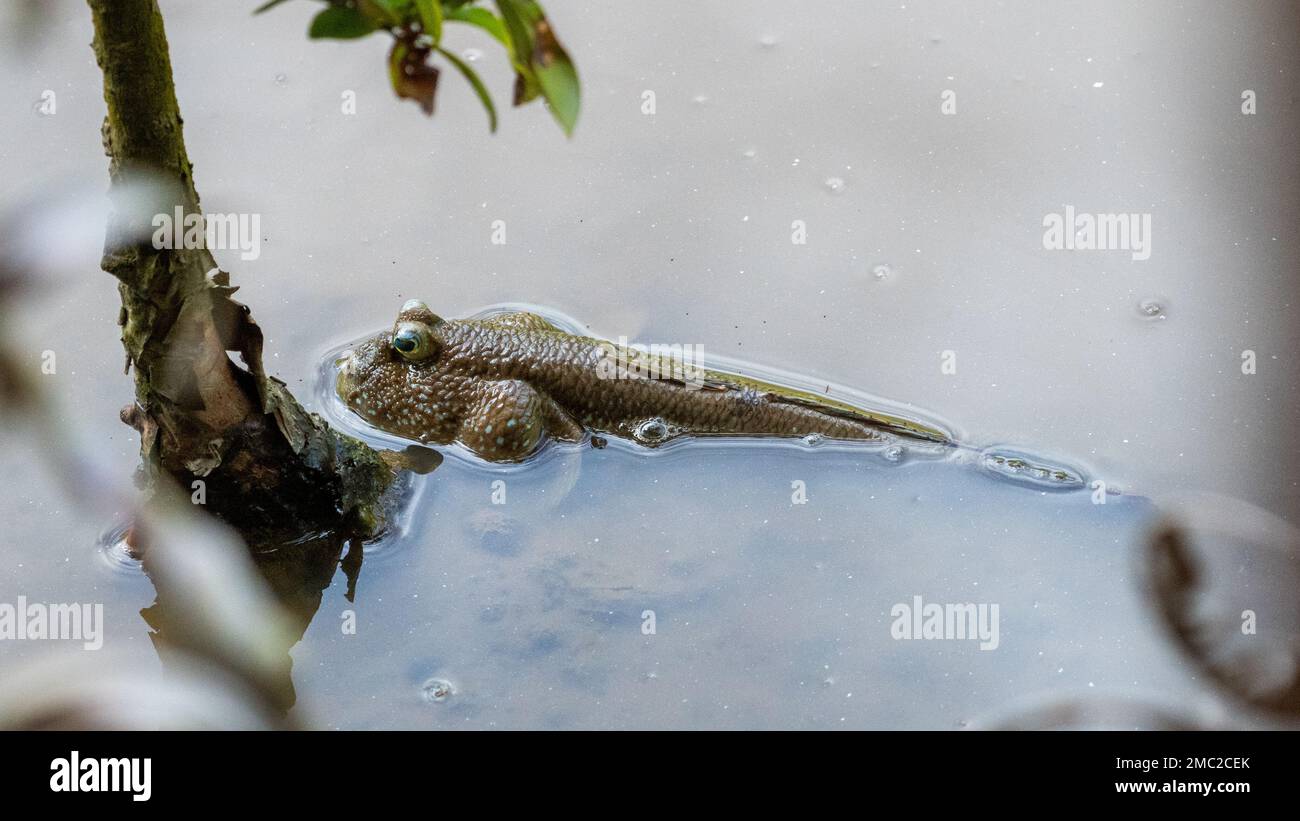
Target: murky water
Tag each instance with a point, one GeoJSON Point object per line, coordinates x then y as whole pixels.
{"type": "Point", "coordinates": [923, 279]}
{"type": "Point", "coordinates": [764, 612]}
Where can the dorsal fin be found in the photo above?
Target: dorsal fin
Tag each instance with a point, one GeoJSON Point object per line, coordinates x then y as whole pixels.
{"type": "Point", "coordinates": [521, 320]}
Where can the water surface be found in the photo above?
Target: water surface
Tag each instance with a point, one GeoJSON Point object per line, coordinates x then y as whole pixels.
{"type": "Point", "coordinates": [924, 238]}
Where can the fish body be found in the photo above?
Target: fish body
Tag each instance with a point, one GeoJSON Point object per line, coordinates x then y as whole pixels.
{"type": "Point", "coordinates": [503, 385]}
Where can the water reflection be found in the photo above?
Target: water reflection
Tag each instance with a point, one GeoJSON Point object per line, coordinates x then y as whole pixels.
{"type": "Point", "coordinates": [297, 575]}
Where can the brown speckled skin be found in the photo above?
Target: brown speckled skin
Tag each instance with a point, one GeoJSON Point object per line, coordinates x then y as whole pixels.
{"type": "Point", "coordinates": [500, 386]}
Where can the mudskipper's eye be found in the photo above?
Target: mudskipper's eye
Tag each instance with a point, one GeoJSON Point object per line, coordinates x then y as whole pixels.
{"type": "Point", "coordinates": [406, 342]}
{"type": "Point", "coordinates": [413, 341]}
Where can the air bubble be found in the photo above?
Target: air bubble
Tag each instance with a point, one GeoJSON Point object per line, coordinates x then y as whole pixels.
{"type": "Point", "coordinates": [651, 431]}
{"type": "Point", "coordinates": [835, 185]}
{"type": "Point", "coordinates": [1152, 309]}
{"type": "Point", "coordinates": [812, 440]}
{"type": "Point", "coordinates": [281, 78]}
{"type": "Point", "coordinates": [767, 41]}
{"type": "Point", "coordinates": [882, 272]}
{"type": "Point", "coordinates": [894, 453]}
{"type": "Point", "coordinates": [437, 690]}
{"type": "Point", "coordinates": [471, 55]}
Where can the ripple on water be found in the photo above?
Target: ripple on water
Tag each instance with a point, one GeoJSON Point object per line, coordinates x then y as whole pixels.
{"type": "Point", "coordinates": [115, 551]}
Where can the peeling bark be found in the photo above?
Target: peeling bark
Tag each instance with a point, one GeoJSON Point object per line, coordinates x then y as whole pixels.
{"type": "Point", "coordinates": [270, 468]}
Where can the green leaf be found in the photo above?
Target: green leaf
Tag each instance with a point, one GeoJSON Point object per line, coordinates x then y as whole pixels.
{"type": "Point", "coordinates": [482, 18]}
{"type": "Point", "coordinates": [430, 18]}
{"type": "Point", "coordinates": [526, 87]}
{"type": "Point", "coordinates": [519, 17]}
{"type": "Point", "coordinates": [340, 23]}
{"type": "Point", "coordinates": [479, 89]}
{"type": "Point", "coordinates": [559, 81]}
{"type": "Point", "coordinates": [518, 29]}
{"type": "Point", "coordinates": [385, 13]}
{"type": "Point", "coordinates": [396, 57]}
{"type": "Point", "coordinates": [520, 45]}
{"type": "Point", "coordinates": [267, 6]}
{"type": "Point", "coordinates": [541, 63]}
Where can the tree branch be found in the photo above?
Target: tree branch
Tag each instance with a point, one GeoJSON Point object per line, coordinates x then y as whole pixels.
{"type": "Point", "coordinates": [268, 465]}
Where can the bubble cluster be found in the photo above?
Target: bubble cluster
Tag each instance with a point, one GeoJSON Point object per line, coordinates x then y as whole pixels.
{"type": "Point", "coordinates": [1024, 469]}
